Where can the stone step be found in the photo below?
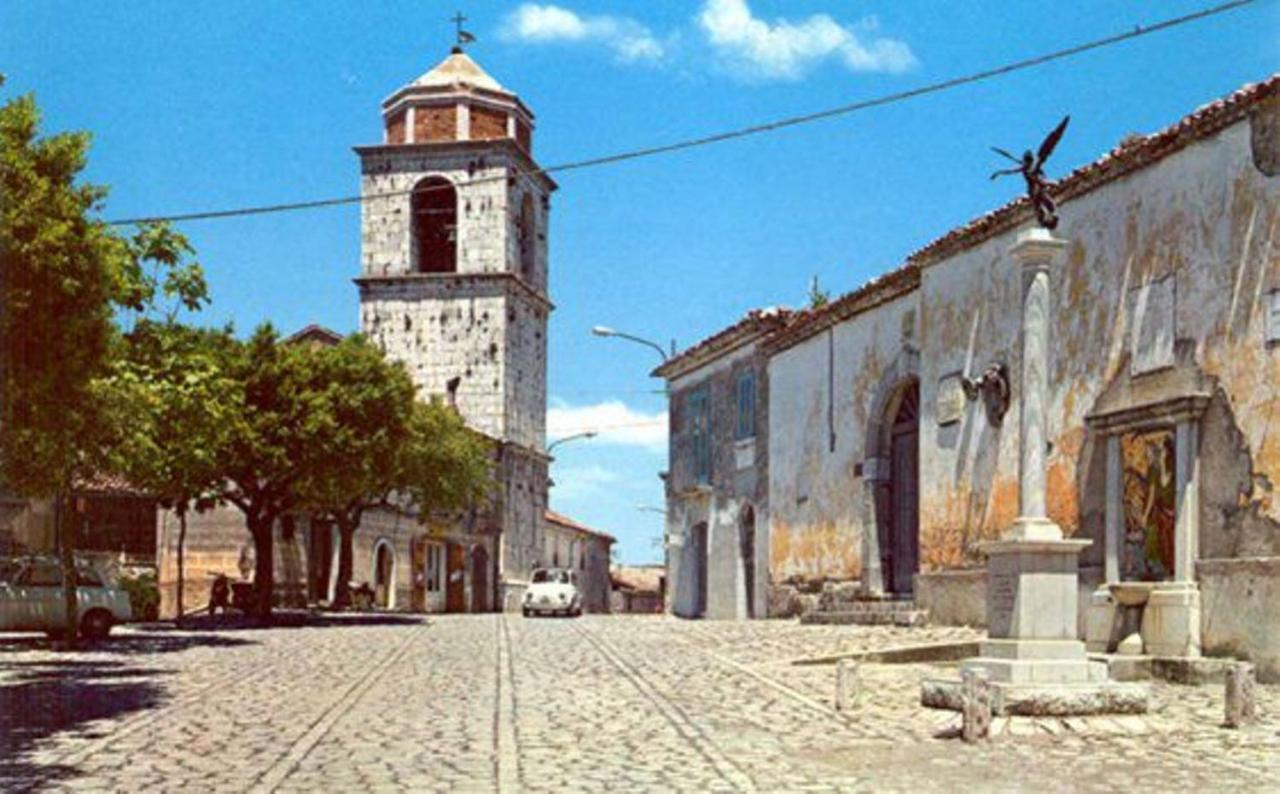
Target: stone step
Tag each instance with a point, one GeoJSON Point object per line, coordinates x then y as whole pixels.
{"type": "Point", "coordinates": [896, 605]}
{"type": "Point", "coordinates": [866, 617]}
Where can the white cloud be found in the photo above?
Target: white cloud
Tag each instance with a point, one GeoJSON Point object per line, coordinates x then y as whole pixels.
{"type": "Point", "coordinates": [616, 424]}
{"type": "Point", "coordinates": [629, 40]}
{"type": "Point", "coordinates": [583, 481]}
{"type": "Point", "coordinates": [783, 49]}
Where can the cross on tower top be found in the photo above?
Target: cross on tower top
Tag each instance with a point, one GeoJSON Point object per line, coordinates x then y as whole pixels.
{"type": "Point", "coordinates": [463, 36]}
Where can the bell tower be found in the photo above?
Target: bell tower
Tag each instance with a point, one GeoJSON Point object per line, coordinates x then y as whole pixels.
{"type": "Point", "coordinates": [454, 268]}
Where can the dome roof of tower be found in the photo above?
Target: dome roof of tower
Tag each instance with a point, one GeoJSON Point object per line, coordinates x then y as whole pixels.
{"type": "Point", "coordinates": [459, 68]}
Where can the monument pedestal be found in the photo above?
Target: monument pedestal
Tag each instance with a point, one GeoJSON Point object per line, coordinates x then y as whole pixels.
{"type": "Point", "coordinates": [1034, 660]}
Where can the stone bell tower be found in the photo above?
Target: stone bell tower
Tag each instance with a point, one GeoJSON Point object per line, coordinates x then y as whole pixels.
{"type": "Point", "coordinates": [454, 269]}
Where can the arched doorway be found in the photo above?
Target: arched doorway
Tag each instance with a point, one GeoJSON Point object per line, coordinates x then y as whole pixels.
{"type": "Point", "coordinates": [698, 580]}
{"type": "Point", "coordinates": [903, 548]}
{"type": "Point", "coordinates": [747, 549]}
{"type": "Point", "coordinates": [384, 572]}
{"type": "Point", "coordinates": [434, 205]}
{"type": "Point", "coordinates": [479, 580]}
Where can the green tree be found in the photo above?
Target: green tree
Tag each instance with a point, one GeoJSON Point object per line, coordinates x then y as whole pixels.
{"type": "Point", "coordinates": [282, 416]}
{"type": "Point", "coordinates": [182, 410]}
{"type": "Point", "coordinates": [355, 459]}
{"type": "Point", "coordinates": [446, 465]}
{"type": "Point", "coordinates": [376, 446]}
{"type": "Point", "coordinates": [63, 272]}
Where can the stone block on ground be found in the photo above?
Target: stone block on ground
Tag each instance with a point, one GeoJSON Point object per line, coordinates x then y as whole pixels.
{"type": "Point", "coordinates": [1241, 695]}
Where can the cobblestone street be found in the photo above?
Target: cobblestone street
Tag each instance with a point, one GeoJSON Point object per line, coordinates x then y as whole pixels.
{"type": "Point", "coordinates": [488, 702]}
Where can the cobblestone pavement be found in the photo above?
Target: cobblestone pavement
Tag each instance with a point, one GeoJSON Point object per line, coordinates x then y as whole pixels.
{"type": "Point", "coordinates": [503, 703]}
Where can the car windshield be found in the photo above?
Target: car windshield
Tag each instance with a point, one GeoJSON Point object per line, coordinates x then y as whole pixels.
{"type": "Point", "coordinates": [550, 577]}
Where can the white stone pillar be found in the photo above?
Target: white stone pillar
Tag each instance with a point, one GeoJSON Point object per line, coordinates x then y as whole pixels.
{"type": "Point", "coordinates": [409, 124]}
{"type": "Point", "coordinates": [1034, 252]}
{"type": "Point", "coordinates": [464, 121]}
{"type": "Point", "coordinates": [1114, 497]}
{"type": "Point", "coordinates": [1187, 515]}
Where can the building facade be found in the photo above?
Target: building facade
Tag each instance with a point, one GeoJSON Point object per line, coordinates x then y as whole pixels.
{"type": "Point", "coordinates": [892, 411]}
{"type": "Point", "coordinates": [717, 479]}
{"type": "Point", "coordinates": [454, 281]}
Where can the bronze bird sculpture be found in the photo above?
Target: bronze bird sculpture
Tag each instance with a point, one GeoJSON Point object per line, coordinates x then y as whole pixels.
{"type": "Point", "coordinates": [1031, 166]}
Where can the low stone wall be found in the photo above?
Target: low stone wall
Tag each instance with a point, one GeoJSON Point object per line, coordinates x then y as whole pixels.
{"type": "Point", "coordinates": [1239, 602]}
{"type": "Point", "coordinates": [953, 598]}
{"type": "Point", "coordinates": [958, 597]}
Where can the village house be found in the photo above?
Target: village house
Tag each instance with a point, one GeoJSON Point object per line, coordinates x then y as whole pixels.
{"type": "Point", "coordinates": [570, 544]}
{"type": "Point", "coordinates": [892, 413]}
{"type": "Point", "coordinates": [638, 589]}
{"type": "Point", "coordinates": [717, 483]}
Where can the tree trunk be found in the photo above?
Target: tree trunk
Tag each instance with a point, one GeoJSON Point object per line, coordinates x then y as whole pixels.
{"type": "Point", "coordinates": [263, 531]}
{"type": "Point", "coordinates": [182, 542]}
{"type": "Point", "coordinates": [346, 554]}
{"type": "Point", "coordinates": [66, 533]}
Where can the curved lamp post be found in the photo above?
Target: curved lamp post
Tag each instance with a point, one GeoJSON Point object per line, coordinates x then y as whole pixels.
{"type": "Point", "coordinates": [601, 330]}
{"type": "Point", "coordinates": [574, 437]}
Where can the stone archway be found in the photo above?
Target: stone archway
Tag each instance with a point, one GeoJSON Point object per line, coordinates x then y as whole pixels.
{"type": "Point", "coordinates": [384, 575]}
{"type": "Point", "coordinates": [747, 551]}
{"type": "Point", "coordinates": [900, 378]}
{"type": "Point", "coordinates": [902, 560]}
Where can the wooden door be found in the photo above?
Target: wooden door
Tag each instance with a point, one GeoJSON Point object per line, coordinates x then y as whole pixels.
{"type": "Point", "coordinates": [700, 570]}
{"type": "Point", "coordinates": [455, 592]}
{"type": "Point", "coordinates": [904, 481]}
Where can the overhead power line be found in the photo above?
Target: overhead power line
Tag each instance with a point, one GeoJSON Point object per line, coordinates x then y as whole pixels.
{"type": "Point", "coordinates": [742, 132]}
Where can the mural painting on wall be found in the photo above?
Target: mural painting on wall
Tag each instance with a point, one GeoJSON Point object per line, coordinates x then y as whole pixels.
{"type": "Point", "coordinates": [1148, 505]}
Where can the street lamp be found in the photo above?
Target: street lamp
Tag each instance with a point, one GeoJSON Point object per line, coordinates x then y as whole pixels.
{"type": "Point", "coordinates": [574, 437]}
{"type": "Point", "coordinates": [651, 509]}
{"type": "Point", "coordinates": [602, 330]}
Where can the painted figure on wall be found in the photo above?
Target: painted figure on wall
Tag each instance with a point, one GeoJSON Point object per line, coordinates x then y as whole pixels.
{"type": "Point", "coordinates": [1149, 505]}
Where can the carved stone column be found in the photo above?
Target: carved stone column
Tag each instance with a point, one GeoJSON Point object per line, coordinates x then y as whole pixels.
{"type": "Point", "coordinates": [1034, 252]}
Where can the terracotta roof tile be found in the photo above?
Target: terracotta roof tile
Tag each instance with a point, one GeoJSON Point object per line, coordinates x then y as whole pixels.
{"type": "Point", "coordinates": [568, 523]}
{"type": "Point", "coordinates": [754, 321]}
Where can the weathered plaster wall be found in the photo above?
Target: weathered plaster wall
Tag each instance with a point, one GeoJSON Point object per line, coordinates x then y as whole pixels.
{"type": "Point", "coordinates": [1240, 599]}
{"type": "Point", "coordinates": [819, 504]}
{"type": "Point", "coordinates": [1205, 217]}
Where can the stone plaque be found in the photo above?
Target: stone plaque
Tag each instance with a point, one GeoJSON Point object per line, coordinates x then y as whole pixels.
{"type": "Point", "coordinates": [951, 399]}
{"type": "Point", "coordinates": [1151, 342]}
{"type": "Point", "coordinates": [1002, 594]}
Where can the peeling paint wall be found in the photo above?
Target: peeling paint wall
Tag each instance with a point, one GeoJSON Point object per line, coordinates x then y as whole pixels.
{"type": "Point", "coordinates": [819, 504]}
{"type": "Point", "coordinates": [1207, 219]}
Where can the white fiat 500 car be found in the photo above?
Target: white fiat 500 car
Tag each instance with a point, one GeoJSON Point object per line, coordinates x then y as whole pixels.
{"type": "Point", "coordinates": [553, 591]}
{"type": "Point", "coordinates": [31, 599]}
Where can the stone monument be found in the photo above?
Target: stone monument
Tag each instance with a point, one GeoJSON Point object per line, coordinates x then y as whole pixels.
{"type": "Point", "coordinates": [1033, 659]}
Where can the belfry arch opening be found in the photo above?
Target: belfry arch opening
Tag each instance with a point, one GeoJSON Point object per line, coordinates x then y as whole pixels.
{"type": "Point", "coordinates": [528, 237]}
{"type": "Point", "coordinates": [434, 207]}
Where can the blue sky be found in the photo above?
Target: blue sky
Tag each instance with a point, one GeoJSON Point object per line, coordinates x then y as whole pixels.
{"type": "Point", "coordinates": [197, 106]}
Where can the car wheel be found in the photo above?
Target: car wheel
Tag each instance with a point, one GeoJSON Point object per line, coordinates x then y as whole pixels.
{"type": "Point", "coordinates": [96, 625]}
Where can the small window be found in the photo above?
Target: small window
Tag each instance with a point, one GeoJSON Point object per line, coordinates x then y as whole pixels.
{"type": "Point", "coordinates": [700, 429]}
{"type": "Point", "coordinates": [746, 405]}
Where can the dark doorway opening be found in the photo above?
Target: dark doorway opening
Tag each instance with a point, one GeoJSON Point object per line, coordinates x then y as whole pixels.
{"type": "Point", "coordinates": [479, 580]}
{"type": "Point", "coordinates": [455, 592]}
{"type": "Point", "coordinates": [747, 546]}
{"type": "Point", "coordinates": [904, 493]}
{"type": "Point", "coordinates": [383, 572]}
{"type": "Point", "coordinates": [698, 548]}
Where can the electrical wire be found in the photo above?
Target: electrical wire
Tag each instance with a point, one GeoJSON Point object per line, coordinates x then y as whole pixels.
{"type": "Point", "coordinates": [721, 137]}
